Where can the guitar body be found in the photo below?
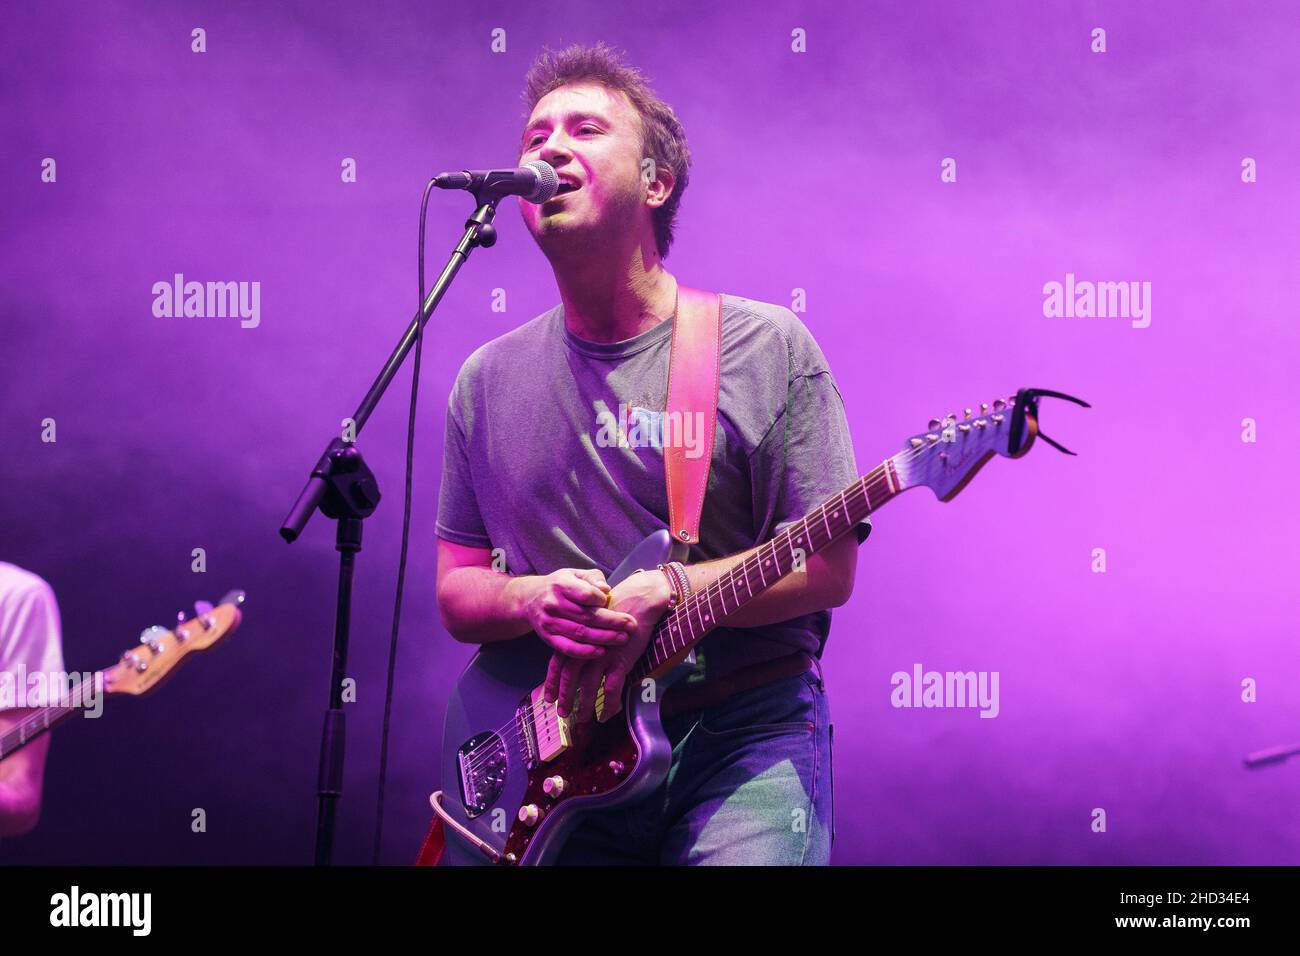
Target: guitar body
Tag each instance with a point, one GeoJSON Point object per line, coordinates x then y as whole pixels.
{"type": "Point", "coordinates": [494, 758]}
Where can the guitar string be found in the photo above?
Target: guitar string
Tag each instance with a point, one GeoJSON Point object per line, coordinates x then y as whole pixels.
{"type": "Point", "coordinates": [861, 486]}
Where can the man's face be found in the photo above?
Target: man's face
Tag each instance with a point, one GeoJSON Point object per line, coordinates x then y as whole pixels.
{"type": "Point", "coordinates": [592, 137]}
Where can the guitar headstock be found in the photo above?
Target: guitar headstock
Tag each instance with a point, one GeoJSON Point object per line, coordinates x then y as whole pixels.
{"type": "Point", "coordinates": [160, 650]}
{"type": "Point", "coordinates": [946, 456]}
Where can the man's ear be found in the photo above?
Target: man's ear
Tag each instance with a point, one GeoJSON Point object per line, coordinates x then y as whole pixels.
{"type": "Point", "coordinates": [659, 182]}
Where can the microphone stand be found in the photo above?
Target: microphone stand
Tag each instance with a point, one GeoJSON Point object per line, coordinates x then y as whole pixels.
{"type": "Point", "coordinates": [343, 487]}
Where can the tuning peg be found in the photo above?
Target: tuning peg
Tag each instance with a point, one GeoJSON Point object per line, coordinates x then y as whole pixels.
{"type": "Point", "coordinates": [201, 608]}
{"type": "Point", "coordinates": [968, 411]}
{"type": "Point", "coordinates": [181, 618]}
{"type": "Point", "coordinates": [998, 404]}
{"type": "Point", "coordinates": [984, 407]}
{"type": "Point", "coordinates": [152, 637]}
{"type": "Point", "coordinates": [932, 424]}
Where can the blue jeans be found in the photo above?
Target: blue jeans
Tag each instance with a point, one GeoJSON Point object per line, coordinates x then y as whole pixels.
{"type": "Point", "coordinates": [750, 784]}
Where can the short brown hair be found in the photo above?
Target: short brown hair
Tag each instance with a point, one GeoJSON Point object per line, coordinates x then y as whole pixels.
{"type": "Point", "coordinates": [662, 136]}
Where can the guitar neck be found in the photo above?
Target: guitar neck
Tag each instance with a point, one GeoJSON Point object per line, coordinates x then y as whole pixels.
{"type": "Point", "coordinates": [688, 623]}
{"type": "Point", "coordinates": [45, 718]}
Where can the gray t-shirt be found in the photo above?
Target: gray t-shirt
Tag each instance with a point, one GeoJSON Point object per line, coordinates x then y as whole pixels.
{"type": "Point", "coordinates": [533, 462]}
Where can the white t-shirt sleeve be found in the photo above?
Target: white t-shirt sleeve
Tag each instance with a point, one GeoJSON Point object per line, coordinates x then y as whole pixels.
{"type": "Point", "coordinates": [30, 635]}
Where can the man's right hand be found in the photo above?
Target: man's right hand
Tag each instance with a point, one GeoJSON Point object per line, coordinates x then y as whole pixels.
{"type": "Point", "coordinates": [567, 609]}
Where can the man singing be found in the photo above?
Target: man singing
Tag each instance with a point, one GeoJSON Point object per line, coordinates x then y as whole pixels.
{"type": "Point", "coordinates": [525, 476]}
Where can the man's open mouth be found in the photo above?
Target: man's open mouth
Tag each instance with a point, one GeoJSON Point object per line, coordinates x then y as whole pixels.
{"type": "Point", "coordinates": [566, 187]}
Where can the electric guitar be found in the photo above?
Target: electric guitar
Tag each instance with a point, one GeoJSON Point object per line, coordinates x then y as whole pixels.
{"type": "Point", "coordinates": [140, 670]}
{"type": "Point", "coordinates": [517, 777]}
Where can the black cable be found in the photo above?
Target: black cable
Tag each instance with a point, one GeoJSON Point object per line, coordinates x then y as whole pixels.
{"type": "Point", "coordinates": [406, 535]}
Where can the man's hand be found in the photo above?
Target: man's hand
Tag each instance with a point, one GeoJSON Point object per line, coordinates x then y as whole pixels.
{"type": "Point", "coordinates": [643, 595]}
{"type": "Point", "coordinates": [568, 610]}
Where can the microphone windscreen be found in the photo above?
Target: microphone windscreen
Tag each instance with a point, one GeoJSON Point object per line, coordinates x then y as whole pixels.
{"type": "Point", "coordinates": [548, 183]}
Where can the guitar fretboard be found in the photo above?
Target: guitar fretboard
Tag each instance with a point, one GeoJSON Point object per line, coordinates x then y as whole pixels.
{"type": "Point", "coordinates": [686, 625]}
{"type": "Point", "coordinates": [39, 721]}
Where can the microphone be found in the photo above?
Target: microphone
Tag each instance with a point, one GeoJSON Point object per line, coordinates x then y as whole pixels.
{"type": "Point", "coordinates": [536, 182]}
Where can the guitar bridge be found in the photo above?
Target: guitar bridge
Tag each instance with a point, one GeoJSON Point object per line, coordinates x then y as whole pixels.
{"type": "Point", "coordinates": [481, 767]}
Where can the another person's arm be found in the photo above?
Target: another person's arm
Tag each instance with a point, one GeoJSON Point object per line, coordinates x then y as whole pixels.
{"type": "Point", "coordinates": [21, 775]}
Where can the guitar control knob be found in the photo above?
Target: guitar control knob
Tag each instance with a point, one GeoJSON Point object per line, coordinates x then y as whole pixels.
{"type": "Point", "coordinates": [528, 814]}
{"type": "Point", "coordinates": [617, 767]}
{"type": "Point", "coordinates": [554, 786]}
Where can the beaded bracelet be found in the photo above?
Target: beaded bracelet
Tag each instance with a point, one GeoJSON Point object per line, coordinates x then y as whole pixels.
{"type": "Point", "coordinates": [681, 582]}
{"type": "Point", "coordinates": [674, 586]}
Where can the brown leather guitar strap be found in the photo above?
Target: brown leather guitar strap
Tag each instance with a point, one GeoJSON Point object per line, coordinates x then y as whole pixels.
{"type": "Point", "coordinates": [693, 370]}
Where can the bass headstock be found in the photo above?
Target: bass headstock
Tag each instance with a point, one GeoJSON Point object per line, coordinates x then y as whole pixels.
{"type": "Point", "coordinates": [160, 651]}
{"type": "Point", "coordinates": [947, 455]}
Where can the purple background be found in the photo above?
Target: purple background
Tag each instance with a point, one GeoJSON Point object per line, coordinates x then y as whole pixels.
{"type": "Point", "coordinates": [817, 171]}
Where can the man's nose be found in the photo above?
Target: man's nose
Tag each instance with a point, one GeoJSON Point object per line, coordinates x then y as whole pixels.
{"type": "Point", "coordinates": [555, 152]}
